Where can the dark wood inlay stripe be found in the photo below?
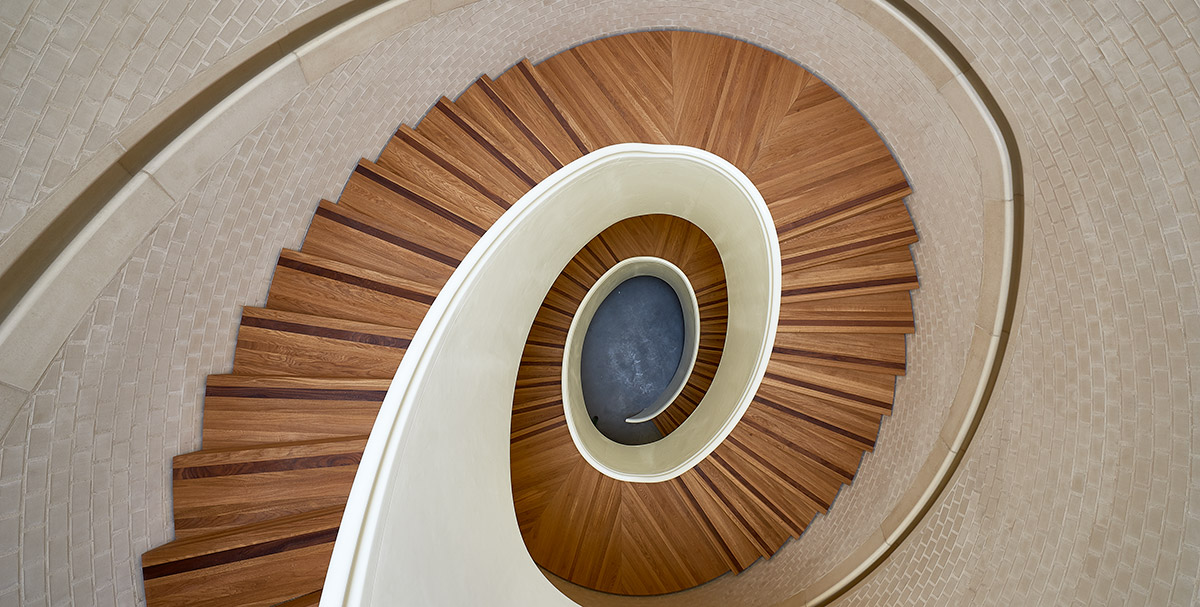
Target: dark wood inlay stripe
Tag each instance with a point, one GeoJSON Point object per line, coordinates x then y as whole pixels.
{"type": "Point", "coordinates": [838, 358]}
{"type": "Point", "coordinates": [607, 247]}
{"type": "Point", "coordinates": [388, 237]}
{"type": "Point", "coordinates": [827, 322]}
{"type": "Point", "coordinates": [541, 383]}
{"type": "Point", "coordinates": [294, 393]}
{"type": "Point", "coordinates": [445, 108]}
{"type": "Point", "coordinates": [562, 121]}
{"type": "Point", "coordinates": [779, 474]}
{"type": "Point", "coordinates": [608, 95]}
{"type": "Point", "coordinates": [451, 168]}
{"type": "Point", "coordinates": [574, 280]}
{"type": "Point", "coordinates": [711, 288]}
{"type": "Point", "coordinates": [887, 191]}
{"type": "Point", "coordinates": [550, 327]}
{"type": "Point", "coordinates": [831, 391]}
{"type": "Point", "coordinates": [863, 284]}
{"type": "Point", "coordinates": [550, 306]}
{"type": "Point", "coordinates": [596, 258]}
{"type": "Point", "coordinates": [315, 331]}
{"type": "Point", "coordinates": [332, 460]}
{"type": "Point", "coordinates": [545, 344]}
{"type": "Point", "coordinates": [870, 242]}
{"type": "Point", "coordinates": [420, 200]}
{"type": "Point", "coordinates": [560, 423]}
{"type": "Point", "coordinates": [753, 490]}
{"type": "Point", "coordinates": [357, 281]}
{"type": "Point", "coordinates": [846, 474]}
{"type": "Point", "coordinates": [703, 516]}
{"type": "Point", "coordinates": [519, 409]}
{"type": "Point", "coordinates": [512, 117]}
{"type": "Point", "coordinates": [754, 535]}
{"type": "Point", "coordinates": [242, 553]}
{"type": "Point", "coordinates": [814, 421]}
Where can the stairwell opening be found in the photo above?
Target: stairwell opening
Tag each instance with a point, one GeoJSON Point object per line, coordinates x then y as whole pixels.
{"type": "Point", "coordinates": [637, 335]}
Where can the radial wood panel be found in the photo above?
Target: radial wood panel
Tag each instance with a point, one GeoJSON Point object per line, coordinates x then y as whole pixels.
{"type": "Point", "coordinates": [257, 508]}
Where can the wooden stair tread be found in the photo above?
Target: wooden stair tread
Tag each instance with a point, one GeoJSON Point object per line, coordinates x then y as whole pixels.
{"type": "Point", "coordinates": [462, 138]}
{"type": "Point", "coordinates": [885, 227]}
{"type": "Point", "coordinates": [736, 94]}
{"type": "Point", "coordinates": [229, 460]}
{"type": "Point", "coordinates": [886, 312]}
{"type": "Point", "coordinates": [277, 342]}
{"type": "Point", "coordinates": [885, 271]}
{"type": "Point", "coordinates": [241, 411]}
{"type": "Point", "coordinates": [874, 353]}
{"type": "Point", "coordinates": [617, 102]}
{"type": "Point", "coordinates": [530, 105]}
{"type": "Point", "coordinates": [260, 564]}
{"type": "Point", "coordinates": [870, 392]}
{"type": "Point", "coordinates": [481, 109]}
{"type": "Point", "coordinates": [249, 535]}
{"type": "Point", "coordinates": [342, 234]}
{"type": "Point", "coordinates": [421, 161]}
{"type": "Point", "coordinates": [221, 502]}
{"type": "Point", "coordinates": [408, 211]}
{"type": "Point", "coordinates": [322, 287]}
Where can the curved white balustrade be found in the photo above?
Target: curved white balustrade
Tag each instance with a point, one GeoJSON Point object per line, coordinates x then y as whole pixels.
{"type": "Point", "coordinates": [430, 517]}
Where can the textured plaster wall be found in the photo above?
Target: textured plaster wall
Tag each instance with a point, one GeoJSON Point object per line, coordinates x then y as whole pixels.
{"type": "Point", "coordinates": [74, 73]}
{"type": "Point", "coordinates": [1082, 484]}
{"type": "Point", "coordinates": [1084, 461]}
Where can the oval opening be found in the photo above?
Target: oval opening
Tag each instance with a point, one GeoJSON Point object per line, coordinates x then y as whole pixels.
{"type": "Point", "coordinates": [636, 336]}
{"type": "Point", "coordinates": [630, 359]}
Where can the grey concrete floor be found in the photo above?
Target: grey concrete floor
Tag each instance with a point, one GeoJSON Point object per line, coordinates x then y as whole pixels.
{"type": "Point", "coordinates": [630, 353]}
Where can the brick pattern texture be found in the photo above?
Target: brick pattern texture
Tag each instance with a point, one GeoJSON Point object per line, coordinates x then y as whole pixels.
{"type": "Point", "coordinates": [1076, 489]}
{"type": "Point", "coordinates": [74, 73]}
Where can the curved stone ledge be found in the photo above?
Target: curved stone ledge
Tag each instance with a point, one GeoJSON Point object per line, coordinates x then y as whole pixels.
{"type": "Point", "coordinates": [60, 258]}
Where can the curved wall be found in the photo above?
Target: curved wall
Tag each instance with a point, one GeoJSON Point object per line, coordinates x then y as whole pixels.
{"type": "Point", "coordinates": [84, 468]}
{"type": "Point", "coordinates": [75, 76]}
{"type": "Point", "coordinates": [1082, 482]}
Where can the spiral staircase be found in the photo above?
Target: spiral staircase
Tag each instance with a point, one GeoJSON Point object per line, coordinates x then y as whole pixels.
{"type": "Point", "coordinates": [257, 509]}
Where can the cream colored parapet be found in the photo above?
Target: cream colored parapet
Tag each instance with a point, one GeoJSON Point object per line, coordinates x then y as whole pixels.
{"type": "Point", "coordinates": [731, 211]}
{"type": "Point", "coordinates": [432, 497]}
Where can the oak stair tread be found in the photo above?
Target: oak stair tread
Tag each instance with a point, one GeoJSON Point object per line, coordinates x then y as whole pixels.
{"type": "Point", "coordinates": [223, 488]}
{"type": "Point", "coordinates": [248, 410]}
{"type": "Point", "coordinates": [340, 233]}
{"type": "Point", "coordinates": [314, 285]}
{"type": "Point", "coordinates": [258, 564]}
{"type": "Point", "coordinates": [277, 342]}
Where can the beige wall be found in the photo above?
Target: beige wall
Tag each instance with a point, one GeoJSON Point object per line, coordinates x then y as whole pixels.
{"type": "Point", "coordinates": [1082, 484]}
{"type": "Point", "coordinates": [1078, 481]}
{"type": "Point", "coordinates": [75, 73]}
